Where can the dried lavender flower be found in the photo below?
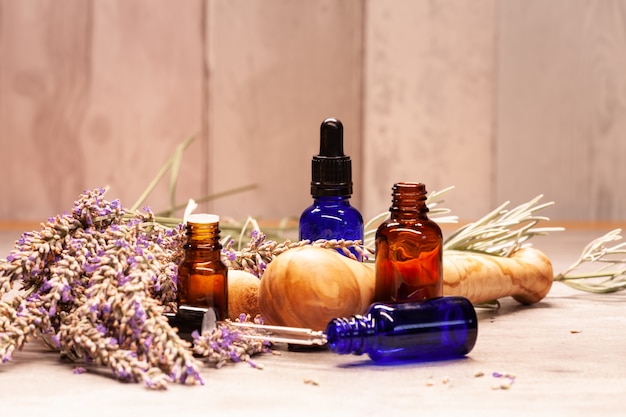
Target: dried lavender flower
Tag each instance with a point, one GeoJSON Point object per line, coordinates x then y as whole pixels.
{"type": "Point", "coordinates": [259, 252]}
{"type": "Point", "coordinates": [227, 344]}
{"type": "Point", "coordinates": [95, 282]}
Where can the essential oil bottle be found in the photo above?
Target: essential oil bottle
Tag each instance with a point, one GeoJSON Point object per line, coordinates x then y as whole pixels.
{"type": "Point", "coordinates": [409, 254]}
{"type": "Point", "coordinates": [434, 329]}
{"type": "Point", "coordinates": [202, 276]}
{"type": "Point", "coordinates": [331, 216]}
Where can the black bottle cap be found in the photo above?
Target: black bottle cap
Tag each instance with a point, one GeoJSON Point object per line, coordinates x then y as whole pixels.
{"type": "Point", "coordinates": [331, 170]}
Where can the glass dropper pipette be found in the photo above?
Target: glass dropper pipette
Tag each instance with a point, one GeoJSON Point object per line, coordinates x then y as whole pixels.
{"type": "Point", "coordinates": [189, 319]}
{"type": "Point", "coordinates": [280, 334]}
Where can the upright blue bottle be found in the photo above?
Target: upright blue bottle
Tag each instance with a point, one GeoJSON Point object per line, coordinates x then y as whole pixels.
{"type": "Point", "coordinates": [331, 216]}
{"type": "Point", "coordinates": [437, 328]}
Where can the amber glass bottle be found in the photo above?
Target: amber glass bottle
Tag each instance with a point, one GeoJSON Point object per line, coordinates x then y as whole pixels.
{"type": "Point", "coordinates": [409, 253]}
{"type": "Point", "coordinates": [202, 276]}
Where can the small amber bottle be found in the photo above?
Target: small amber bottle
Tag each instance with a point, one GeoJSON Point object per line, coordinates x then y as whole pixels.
{"type": "Point", "coordinates": [409, 254]}
{"type": "Point", "coordinates": [202, 276]}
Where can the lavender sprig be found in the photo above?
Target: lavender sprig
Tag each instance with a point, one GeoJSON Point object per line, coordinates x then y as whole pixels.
{"type": "Point", "coordinates": [611, 277]}
{"type": "Point", "coordinates": [260, 252]}
{"type": "Point", "coordinates": [227, 344]}
{"type": "Point", "coordinates": [502, 231]}
{"type": "Point", "coordinates": [95, 283]}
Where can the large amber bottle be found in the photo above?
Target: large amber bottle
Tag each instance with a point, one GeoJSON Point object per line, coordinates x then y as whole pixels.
{"type": "Point", "coordinates": [202, 276]}
{"type": "Point", "coordinates": [409, 255]}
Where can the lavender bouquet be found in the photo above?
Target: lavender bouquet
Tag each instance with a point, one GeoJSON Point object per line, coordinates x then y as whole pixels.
{"type": "Point", "coordinates": [95, 283]}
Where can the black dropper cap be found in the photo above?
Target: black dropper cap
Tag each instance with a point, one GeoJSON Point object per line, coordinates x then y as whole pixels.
{"type": "Point", "coordinates": [331, 170]}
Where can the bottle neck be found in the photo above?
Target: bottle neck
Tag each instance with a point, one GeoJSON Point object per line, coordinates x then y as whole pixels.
{"type": "Point", "coordinates": [408, 201]}
{"type": "Point", "coordinates": [349, 335]}
{"type": "Point", "coordinates": [335, 199]}
{"type": "Point", "coordinates": [203, 235]}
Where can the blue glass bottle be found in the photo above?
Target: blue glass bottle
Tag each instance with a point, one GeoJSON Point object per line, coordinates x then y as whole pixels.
{"type": "Point", "coordinates": [331, 216]}
{"type": "Point", "coordinates": [434, 329]}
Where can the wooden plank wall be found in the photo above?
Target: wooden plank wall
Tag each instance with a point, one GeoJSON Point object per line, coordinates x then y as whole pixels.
{"type": "Point", "coordinates": [276, 70]}
{"type": "Point", "coordinates": [502, 99]}
{"type": "Point", "coordinates": [429, 101]}
{"type": "Point", "coordinates": [561, 106]}
{"type": "Point", "coordinates": [96, 94]}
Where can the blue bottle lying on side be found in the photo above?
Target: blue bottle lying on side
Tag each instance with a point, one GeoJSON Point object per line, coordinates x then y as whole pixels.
{"type": "Point", "coordinates": [434, 329]}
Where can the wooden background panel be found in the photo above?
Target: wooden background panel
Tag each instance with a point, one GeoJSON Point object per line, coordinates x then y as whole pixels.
{"type": "Point", "coordinates": [146, 96]}
{"type": "Point", "coordinates": [43, 90]}
{"type": "Point", "coordinates": [562, 106]}
{"type": "Point", "coordinates": [504, 100]}
{"type": "Point", "coordinates": [94, 94]}
{"type": "Point", "coordinates": [429, 101]}
{"type": "Point", "coordinates": [277, 69]}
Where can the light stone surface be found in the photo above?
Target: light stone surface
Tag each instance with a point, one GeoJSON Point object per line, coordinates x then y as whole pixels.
{"type": "Point", "coordinates": [566, 352]}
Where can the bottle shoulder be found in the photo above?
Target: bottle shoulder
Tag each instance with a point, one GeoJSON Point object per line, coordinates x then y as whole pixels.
{"type": "Point", "coordinates": [332, 211]}
{"type": "Point", "coordinates": [417, 227]}
{"type": "Point", "coordinates": [202, 254]}
{"type": "Point", "coordinates": [331, 222]}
